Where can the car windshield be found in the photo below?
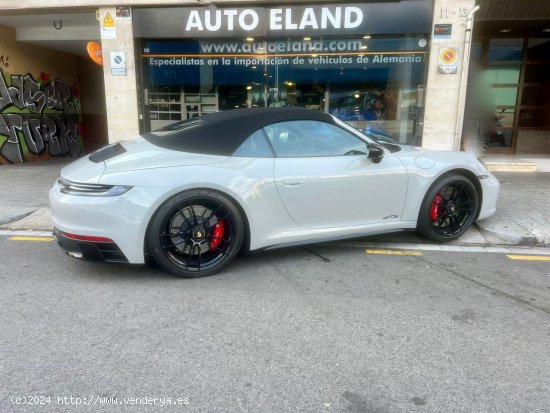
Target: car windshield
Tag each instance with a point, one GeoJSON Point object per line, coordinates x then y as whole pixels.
{"type": "Point", "coordinates": [385, 141]}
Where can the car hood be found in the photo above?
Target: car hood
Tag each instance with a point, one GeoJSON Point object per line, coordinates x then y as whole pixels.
{"type": "Point", "coordinates": [426, 159]}
{"type": "Point", "coordinates": [409, 148]}
{"type": "Point", "coordinates": [140, 154]}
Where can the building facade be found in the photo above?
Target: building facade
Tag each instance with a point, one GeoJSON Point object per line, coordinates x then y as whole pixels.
{"type": "Point", "coordinates": [399, 69]}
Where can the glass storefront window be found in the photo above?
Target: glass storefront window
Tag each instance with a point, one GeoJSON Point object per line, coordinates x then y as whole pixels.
{"type": "Point", "coordinates": [514, 95]}
{"type": "Point", "coordinates": [538, 50]}
{"type": "Point", "coordinates": [372, 83]}
{"type": "Point", "coordinates": [165, 103]}
{"type": "Point", "coordinates": [534, 118]}
{"type": "Point", "coordinates": [498, 138]}
{"type": "Point", "coordinates": [504, 96]}
{"type": "Point", "coordinates": [502, 74]}
{"type": "Point", "coordinates": [537, 73]}
{"type": "Point", "coordinates": [536, 96]}
{"type": "Point", "coordinates": [475, 53]}
{"type": "Point", "coordinates": [504, 118]}
{"type": "Point", "coordinates": [505, 50]}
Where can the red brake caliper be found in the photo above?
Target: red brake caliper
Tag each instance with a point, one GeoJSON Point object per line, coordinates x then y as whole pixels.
{"type": "Point", "coordinates": [434, 209]}
{"type": "Point", "coordinates": [217, 235]}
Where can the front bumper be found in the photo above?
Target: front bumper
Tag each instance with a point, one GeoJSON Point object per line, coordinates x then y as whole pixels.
{"type": "Point", "coordinates": [490, 188]}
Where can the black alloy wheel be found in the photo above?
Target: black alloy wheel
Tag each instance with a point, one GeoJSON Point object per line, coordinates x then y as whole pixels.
{"type": "Point", "coordinates": [449, 208]}
{"type": "Point", "coordinates": [196, 233]}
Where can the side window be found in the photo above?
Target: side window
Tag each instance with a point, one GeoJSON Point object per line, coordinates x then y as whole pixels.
{"type": "Point", "coordinates": [255, 146]}
{"type": "Point", "coordinates": [308, 138]}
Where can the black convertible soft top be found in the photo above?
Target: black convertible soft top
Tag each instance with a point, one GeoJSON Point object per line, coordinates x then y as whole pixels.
{"type": "Point", "coordinates": [221, 133]}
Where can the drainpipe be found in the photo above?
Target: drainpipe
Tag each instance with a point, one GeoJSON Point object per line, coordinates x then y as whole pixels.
{"type": "Point", "coordinates": [464, 78]}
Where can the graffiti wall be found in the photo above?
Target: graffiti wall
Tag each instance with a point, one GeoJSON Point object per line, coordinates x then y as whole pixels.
{"type": "Point", "coordinates": [38, 117]}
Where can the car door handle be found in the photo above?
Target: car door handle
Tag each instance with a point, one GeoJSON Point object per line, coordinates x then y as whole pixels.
{"type": "Point", "coordinates": [294, 181]}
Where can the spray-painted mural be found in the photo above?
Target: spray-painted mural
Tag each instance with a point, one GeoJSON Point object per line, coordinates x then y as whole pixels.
{"type": "Point", "coordinates": [37, 117]}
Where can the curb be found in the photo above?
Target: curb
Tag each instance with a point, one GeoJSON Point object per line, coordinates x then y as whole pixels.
{"type": "Point", "coordinates": [520, 237]}
{"type": "Point", "coordinates": [37, 220]}
{"type": "Point", "coordinates": [6, 220]}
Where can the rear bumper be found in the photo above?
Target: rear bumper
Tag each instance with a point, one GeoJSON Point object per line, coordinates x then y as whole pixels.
{"type": "Point", "coordinates": [89, 250]}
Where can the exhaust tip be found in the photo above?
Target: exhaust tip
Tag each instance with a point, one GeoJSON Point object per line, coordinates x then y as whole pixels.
{"type": "Point", "coordinates": [77, 255]}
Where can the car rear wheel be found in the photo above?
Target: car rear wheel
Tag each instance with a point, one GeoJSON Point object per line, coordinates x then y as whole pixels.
{"type": "Point", "coordinates": [196, 233]}
{"type": "Point", "coordinates": [449, 209]}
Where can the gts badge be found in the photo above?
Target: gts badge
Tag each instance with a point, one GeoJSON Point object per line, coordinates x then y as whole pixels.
{"type": "Point", "coordinates": [390, 217]}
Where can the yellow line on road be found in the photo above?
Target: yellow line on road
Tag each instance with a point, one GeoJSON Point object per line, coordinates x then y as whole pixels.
{"type": "Point", "coordinates": [393, 252]}
{"type": "Point", "coordinates": [31, 238]}
{"type": "Point", "coordinates": [529, 257]}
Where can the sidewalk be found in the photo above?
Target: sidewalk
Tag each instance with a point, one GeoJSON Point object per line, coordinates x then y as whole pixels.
{"type": "Point", "coordinates": [522, 217]}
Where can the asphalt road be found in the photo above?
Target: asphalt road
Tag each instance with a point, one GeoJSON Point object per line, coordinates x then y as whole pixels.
{"type": "Point", "coordinates": [323, 329]}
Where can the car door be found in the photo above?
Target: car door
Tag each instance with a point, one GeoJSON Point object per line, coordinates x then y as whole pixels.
{"type": "Point", "coordinates": [325, 178]}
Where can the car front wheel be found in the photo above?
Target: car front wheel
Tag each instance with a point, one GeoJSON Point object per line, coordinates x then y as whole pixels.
{"type": "Point", "coordinates": [196, 233]}
{"type": "Point", "coordinates": [449, 208]}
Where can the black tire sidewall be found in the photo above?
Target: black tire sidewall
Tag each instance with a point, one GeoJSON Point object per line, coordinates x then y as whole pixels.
{"type": "Point", "coordinates": [424, 225]}
{"type": "Point", "coordinates": [165, 212]}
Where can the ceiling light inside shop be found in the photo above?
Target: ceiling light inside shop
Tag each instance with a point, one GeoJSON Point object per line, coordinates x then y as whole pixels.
{"type": "Point", "coordinates": [249, 39]}
{"type": "Point", "coordinates": [505, 30]}
{"type": "Point", "coordinates": [546, 30]}
{"type": "Point", "coordinates": [307, 39]}
{"type": "Point", "coordinates": [249, 87]}
{"type": "Point", "coordinates": [364, 47]}
{"type": "Point", "coordinates": [367, 36]}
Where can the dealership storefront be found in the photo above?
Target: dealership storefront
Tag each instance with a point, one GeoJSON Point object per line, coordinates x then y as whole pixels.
{"type": "Point", "coordinates": [398, 68]}
{"type": "Point", "coordinates": [365, 63]}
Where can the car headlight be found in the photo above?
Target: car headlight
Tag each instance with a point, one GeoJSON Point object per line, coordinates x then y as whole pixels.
{"type": "Point", "coordinates": [81, 189]}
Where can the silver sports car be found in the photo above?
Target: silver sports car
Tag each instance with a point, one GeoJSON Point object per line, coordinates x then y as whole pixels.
{"type": "Point", "coordinates": [195, 193]}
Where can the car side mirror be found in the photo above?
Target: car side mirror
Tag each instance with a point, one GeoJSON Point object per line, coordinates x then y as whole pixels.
{"type": "Point", "coordinates": [376, 153]}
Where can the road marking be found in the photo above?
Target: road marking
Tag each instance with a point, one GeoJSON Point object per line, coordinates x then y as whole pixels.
{"type": "Point", "coordinates": [529, 257]}
{"type": "Point", "coordinates": [392, 252]}
{"type": "Point", "coordinates": [511, 249]}
{"type": "Point", "coordinates": [22, 233]}
{"type": "Point", "coordinates": [41, 239]}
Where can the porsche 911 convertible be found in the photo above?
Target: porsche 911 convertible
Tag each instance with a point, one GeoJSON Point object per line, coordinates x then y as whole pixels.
{"type": "Point", "coordinates": [193, 194]}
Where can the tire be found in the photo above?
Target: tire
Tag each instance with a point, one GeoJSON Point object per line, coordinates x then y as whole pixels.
{"type": "Point", "coordinates": [448, 209]}
{"type": "Point", "coordinates": [196, 233]}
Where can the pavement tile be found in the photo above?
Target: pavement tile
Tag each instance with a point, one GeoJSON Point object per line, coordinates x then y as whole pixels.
{"type": "Point", "coordinates": [41, 219]}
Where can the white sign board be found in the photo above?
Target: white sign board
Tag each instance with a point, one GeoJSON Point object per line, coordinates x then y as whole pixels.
{"type": "Point", "coordinates": [118, 63]}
